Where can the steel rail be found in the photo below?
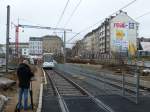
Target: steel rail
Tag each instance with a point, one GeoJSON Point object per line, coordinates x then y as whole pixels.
{"type": "Point", "coordinates": [62, 103]}
{"type": "Point", "coordinates": [93, 98]}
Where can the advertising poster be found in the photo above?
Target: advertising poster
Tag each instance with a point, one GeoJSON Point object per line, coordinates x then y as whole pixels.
{"type": "Point", "coordinates": [124, 36]}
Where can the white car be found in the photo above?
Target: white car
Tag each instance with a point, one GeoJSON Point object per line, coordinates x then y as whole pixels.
{"type": "Point", "coordinates": [47, 65]}
{"type": "Point", "coordinates": [146, 70]}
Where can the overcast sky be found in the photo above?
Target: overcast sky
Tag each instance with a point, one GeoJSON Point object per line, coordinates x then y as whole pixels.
{"type": "Point", "coordinates": [48, 12]}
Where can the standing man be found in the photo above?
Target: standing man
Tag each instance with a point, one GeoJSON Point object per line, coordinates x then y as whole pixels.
{"type": "Point", "coordinates": [24, 75]}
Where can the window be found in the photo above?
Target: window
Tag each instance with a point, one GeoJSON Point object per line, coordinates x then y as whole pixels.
{"type": "Point", "coordinates": [108, 33]}
{"type": "Point", "coordinates": [108, 27]}
{"type": "Point", "coordinates": [137, 27]}
{"type": "Point", "coordinates": [131, 25]}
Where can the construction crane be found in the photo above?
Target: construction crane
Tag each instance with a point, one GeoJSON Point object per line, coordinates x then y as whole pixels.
{"type": "Point", "coordinates": [43, 27]}
{"type": "Point", "coordinates": [35, 27]}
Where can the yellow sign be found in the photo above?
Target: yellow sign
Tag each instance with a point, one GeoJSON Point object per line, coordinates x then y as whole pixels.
{"type": "Point", "coordinates": [120, 34]}
{"type": "Point", "coordinates": [132, 49]}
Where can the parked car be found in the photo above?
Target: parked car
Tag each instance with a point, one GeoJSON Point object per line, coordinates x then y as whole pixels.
{"type": "Point", "coordinates": [146, 71]}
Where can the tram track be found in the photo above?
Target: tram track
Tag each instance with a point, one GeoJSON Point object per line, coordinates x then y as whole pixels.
{"type": "Point", "coordinates": [116, 83]}
{"type": "Point", "coordinates": [72, 97]}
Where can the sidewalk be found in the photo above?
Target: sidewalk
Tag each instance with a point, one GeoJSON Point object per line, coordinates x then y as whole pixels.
{"type": "Point", "coordinates": [12, 94]}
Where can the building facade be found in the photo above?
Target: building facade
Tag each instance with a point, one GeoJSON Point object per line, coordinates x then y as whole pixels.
{"type": "Point", "coordinates": [117, 34]}
{"type": "Point", "coordinates": [35, 46]}
{"type": "Point", "coordinates": [123, 33]}
{"type": "Point", "coordinates": [77, 49]}
{"type": "Point", "coordinates": [52, 44]}
{"type": "Point", "coordinates": [23, 49]}
{"type": "Point", "coordinates": [87, 47]}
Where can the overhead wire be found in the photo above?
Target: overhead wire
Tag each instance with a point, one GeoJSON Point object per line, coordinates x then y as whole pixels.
{"type": "Point", "coordinates": [85, 29]}
{"type": "Point", "coordinates": [127, 5]}
{"type": "Point", "coordinates": [63, 12]}
{"type": "Point", "coordinates": [147, 13]}
{"type": "Point", "coordinates": [73, 12]}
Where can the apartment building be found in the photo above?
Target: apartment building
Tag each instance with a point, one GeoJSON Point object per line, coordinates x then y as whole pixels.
{"type": "Point", "coordinates": [52, 44]}
{"type": "Point", "coordinates": [35, 46]}
{"type": "Point", "coordinates": [77, 49]}
{"type": "Point", "coordinates": [23, 48]}
{"type": "Point", "coordinates": [116, 34]}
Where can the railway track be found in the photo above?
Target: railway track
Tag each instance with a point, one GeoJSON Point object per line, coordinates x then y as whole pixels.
{"type": "Point", "coordinates": [71, 97]}
{"type": "Point", "coordinates": [63, 86]}
{"type": "Point", "coordinates": [117, 83]}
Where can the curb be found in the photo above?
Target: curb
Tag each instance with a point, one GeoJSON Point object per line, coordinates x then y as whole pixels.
{"type": "Point", "coordinates": [39, 109]}
{"type": "Point", "coordinates": [40, 99]}
{"type": "Point", "coordinates": [45, 80]}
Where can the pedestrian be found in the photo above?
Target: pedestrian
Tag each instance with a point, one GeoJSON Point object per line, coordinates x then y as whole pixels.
{"type": "Point", "coordinates": [24, 75]}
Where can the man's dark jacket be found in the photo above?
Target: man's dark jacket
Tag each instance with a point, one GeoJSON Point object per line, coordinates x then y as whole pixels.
{"type": "Point", "coordinates": [24, 75]}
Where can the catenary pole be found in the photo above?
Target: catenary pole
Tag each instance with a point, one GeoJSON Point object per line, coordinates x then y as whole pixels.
{"type": "Point", "coordinates": [64, 46]}
{"type": "Point", "coordinates": [7, 37]}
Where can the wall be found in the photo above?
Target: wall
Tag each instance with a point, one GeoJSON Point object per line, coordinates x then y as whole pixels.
{"type": "Point", "coordinates": [123, 34]}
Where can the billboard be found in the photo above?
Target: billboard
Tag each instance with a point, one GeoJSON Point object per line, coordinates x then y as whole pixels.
{"type": "Point", "coordinates": [123, 34]}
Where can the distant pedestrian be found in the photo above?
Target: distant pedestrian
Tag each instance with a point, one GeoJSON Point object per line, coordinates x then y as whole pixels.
{"type": "Point", "coordinates": [24, 75]}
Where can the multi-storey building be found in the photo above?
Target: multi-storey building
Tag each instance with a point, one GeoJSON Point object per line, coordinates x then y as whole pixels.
{"type": "Point", "coordinates": [87, 42]}
{"type": "Point", "coordinates": [77, 49]}
{"type": "Point", "coordinates": [52, 44]}
{"type": "Point", "coordinates": [35, 46]}
{"type": "Point", "coordinates": [116, 34]}
{"type": "Point", "coordinates": [23, 49]}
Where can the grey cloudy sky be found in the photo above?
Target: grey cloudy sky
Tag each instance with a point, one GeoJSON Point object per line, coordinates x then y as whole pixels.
{"type": "Point", "coordinates": [47, 13]}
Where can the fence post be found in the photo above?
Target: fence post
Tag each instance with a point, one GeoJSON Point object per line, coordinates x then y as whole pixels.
{"type": "Point", "coordinates": [123, 84]}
